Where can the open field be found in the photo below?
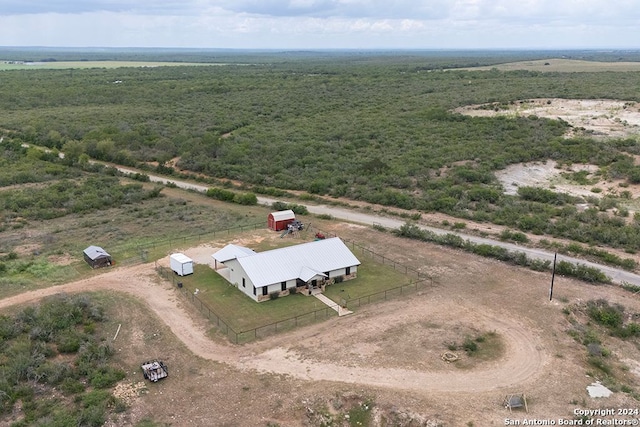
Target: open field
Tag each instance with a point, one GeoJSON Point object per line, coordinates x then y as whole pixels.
{"type": "Point", "coordinates": [605, 118]}
{"type": "Point", "coordinates": [562, 65]}
{"type": "Point", "coordinates": [67, 65]}
{"type": "Point", "coordinates": [386, 355]}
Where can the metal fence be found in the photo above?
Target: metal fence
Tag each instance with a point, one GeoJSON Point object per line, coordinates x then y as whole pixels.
{"type": "Point", "coordinates": [422, 280]}
{"type": "Point", "coordinates": [387, 261]}
{"type": "Point", "coordinates": [223, 326]}
{"type": "Point", "coordinates": [249, 334]}
{"type": "Point", "coordinates": [287, 324]}
{"type": "Point", "coordinates": [131, 253]}
{"type": "Point", "coordinates": [388, 294]}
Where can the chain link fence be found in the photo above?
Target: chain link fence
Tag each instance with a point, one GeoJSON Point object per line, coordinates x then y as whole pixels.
{"type": "Point", "coordinates": [418, 281]}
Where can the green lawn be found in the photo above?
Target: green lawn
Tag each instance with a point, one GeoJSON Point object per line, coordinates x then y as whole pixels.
{"type": "Point", "coordinates": [241, 313]}
{"type": "Point", "coordinates": [372, 278]}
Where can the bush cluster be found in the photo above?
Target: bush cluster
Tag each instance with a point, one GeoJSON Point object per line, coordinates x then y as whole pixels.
{"type": "Point", "coordinates": [578, 271]}
{"type": "Point", "coordinates": [33, 339]}
{"type": "Point", "coordinates": [296, 208]}
{"type": "Point", "coordinates": [232, 196]}
{"type": "Point", "coordinates": [613, 318]}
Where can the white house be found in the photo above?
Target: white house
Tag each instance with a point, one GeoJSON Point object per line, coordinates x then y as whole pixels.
{"type": "Point", "coordinates": [305, 267]}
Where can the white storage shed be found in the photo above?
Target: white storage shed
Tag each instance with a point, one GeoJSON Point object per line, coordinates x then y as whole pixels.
{"type": "Point", "coordinates": [181, 264]}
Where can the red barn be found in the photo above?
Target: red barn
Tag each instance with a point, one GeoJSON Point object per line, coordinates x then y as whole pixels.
{"type": "Point", "coordinates": [278, 221]}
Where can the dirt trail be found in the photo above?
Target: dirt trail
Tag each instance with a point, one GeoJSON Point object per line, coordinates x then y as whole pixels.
{"type": "Point", "coordinates": [524, 359]}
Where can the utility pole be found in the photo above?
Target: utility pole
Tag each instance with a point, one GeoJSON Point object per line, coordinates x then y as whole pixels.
{"type": "Point", "coordinates": [553, 276]}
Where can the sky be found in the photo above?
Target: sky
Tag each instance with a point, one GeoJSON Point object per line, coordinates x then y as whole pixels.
{"type": "Point", "coordinates": [323, 24]}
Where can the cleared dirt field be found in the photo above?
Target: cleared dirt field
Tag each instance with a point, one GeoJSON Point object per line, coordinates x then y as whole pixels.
{"type": "Point", "coordinates": [562, 65]}
{"type": "Point", "coordinates": [385, 357]}
{"type": "Point", "coordinates": [599, 117]}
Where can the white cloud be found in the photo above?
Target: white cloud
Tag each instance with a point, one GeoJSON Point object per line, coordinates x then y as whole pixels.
{"type": "Point", "coordinates": [322, 23]}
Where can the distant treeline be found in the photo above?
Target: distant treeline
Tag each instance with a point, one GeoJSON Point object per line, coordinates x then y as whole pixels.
{"type": "Point", "coordinates": [461, 58]}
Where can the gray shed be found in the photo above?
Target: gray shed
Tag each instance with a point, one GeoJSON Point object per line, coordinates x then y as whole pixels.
{"type": "Point", "coordinates": [97, 257]}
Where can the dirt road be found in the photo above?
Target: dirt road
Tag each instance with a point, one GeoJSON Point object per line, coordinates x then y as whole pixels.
{"type": "Point", "coordinates": [617, 275]}
{"type": "Point", "coordinates": [523, 359]}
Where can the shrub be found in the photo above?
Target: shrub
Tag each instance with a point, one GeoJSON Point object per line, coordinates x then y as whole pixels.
{"type": "Point", "coordinates": [298, 209]}
{"type": "Point", "coordinates": [631, 330]}
{"type": "Point", "coordinates": [279, 206]}
{"type": "Point", "coordinates": [71, 385]}
{"type": "Point", "coordinates": [248, 199]}
{"type": "Point", "coordinates": [605, 314]}
{"type": "Point", "coordinates": [274, 295]}
{"type": "Point", "coordinates": [515, 236]}
{"type": "Point", "coordinates": [68, 342]}
{"type": "Point", "coordinates": [379, 227]}
{"type": "Point", "coordinates": [470, 346]}
{"type": "Point", "coordinates": [221, 194]}
{"type": "Point", "coordinates": [140, 177]}
{"type": "Point", "coordinates": [105, 377]}
{"type": "Point", "coordinates": [600, 364]}
{"type": "Point", "coordinates": [93, 416]}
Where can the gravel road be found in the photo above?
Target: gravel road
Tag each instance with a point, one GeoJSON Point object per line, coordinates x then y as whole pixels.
{"type": "Point", "coordinates": [617, 275]}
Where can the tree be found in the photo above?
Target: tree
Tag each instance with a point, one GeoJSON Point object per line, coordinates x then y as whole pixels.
{"type": "Point", "coordinates": [72, 151]}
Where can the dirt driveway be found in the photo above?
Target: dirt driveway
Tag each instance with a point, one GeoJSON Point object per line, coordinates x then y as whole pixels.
{"type": "Point", "coordinates": [391, 350]}
{"type": "Point", "coordinates": [523, 359]}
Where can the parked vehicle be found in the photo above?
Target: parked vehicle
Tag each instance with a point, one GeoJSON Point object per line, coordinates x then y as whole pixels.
{"type": "Point", "coordinates": [154, 370]}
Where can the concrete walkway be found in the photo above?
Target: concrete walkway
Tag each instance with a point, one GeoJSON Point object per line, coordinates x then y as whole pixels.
{"type": "Point", "coordinates": [341, 310]}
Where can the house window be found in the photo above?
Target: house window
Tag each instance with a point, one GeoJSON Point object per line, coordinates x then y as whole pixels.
{"type": "Point", "coordinates": [283, 286]}
{"type": "Point", "coordinates": [254, 290]}
{"type": "Point", "coordinates": [244, 284]}
{"type": "Point", "coordinates": [348, 271]}
{"type": "Point", "coordinates": [264, 290]}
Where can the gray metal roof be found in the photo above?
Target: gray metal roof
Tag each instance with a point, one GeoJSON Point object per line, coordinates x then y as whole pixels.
{"type": "Point", "coordinates": [232, 251]}
{"type": "Point", "coordinates": [95, 252]}
{"type": "Point", "coordinates": [300, 261]}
